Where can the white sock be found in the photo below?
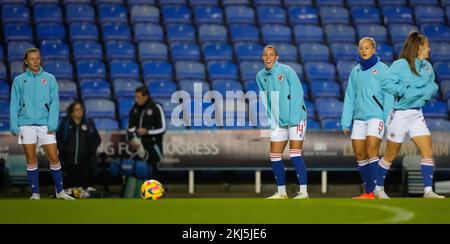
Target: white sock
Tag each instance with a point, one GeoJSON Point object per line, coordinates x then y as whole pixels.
{"type": "Point", "coordinates": [379, 188]}
{"type": "Point", "coordinates": [304, 188]}
{"type": "Point", "coordinates": [282, 190]}
{"type": "Point", "coordinates": [428, 189]}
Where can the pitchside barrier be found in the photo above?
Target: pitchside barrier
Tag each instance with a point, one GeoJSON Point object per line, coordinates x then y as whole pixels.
{"type": "Point", "coordinates": [241, 150]}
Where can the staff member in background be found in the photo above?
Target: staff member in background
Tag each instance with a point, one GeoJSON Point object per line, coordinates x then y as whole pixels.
{"type": "Point", "coordinates": [146, 127]}
{"type": "Point", "coordinates": [34, 112]}
{"type": "Point", "coordinates": [78, 140]}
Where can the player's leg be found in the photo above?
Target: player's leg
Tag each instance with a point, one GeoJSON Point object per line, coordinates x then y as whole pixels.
{"type": "Point", "coordinates": [359, 147]}
{"type": "Point", "coordinates": [278, 142]}
{"type": "Point", "coordinates": [32, 169]}
{"type": "Point", "coordinates": [300, 167]}
{"type": "Point", "coordinates": [384, 165]}
{"type": "Point", "coordinates": [375, 133]}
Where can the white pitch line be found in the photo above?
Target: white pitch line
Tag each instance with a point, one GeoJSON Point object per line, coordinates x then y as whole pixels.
{"type": "Point", "coordinates": [400, 214]}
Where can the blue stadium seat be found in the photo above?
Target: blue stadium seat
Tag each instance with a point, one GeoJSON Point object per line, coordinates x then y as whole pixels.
{"type": "Point", "coordinates": [144, 13]}
{"type": "Point", "coordinates": [208, 15]}
{"type": "Point", "coordinates": [212, 33]}
{"type": "Point", "coordinates": [276, 33]}
{"type": "Point", "coordinates": [50, 31]}
{"type": "Point", "coordinates": [332, 124]}
{"type": "Point", "coordinates": [287, 52]}
{"type": "Point", "coordinates": [385, 52]}
{"type": "Point", "coordinates": [195, 3]}
{"type": "Point", "coordinates": [392, 3]}
{"type": "Point", "coordinates": [124, 105]}
{"type": "Point", "coordinates": [106, 124]}
{"type": "Point", "coordinates": [248, 51]}
{"type": "Point", "coordinates": [442, 70]}
{"type": "Point", "coordinates": [120, 50]}
{"type": "Point", "coordinates": [54, 50]}
{"type": "Point", "coordinates": [329, 108]}
{"type": "Point", "coordinates": [80, 13]}
{"type": "Point", "coordinates": [116, 32]}
{"type": "Point", "coordinates": [185, 51]}
{"type": "Point", "coordinates": [176, 15]}
{"type": "Point", "coordinates": [87, 69]}
{"type": "Point", "coordinates": [190, 70]}
{"type": "Point", "coordinates": [157, 70]}
{"type": "Point", "coordinates": [377, 32]}
{"type": "Point", "coordinates": [167, 105]}
{"type": "Point", "coordinates": [4, 90]}
{"type": "Point", "coordinates": [2, 71]}
{"type": "Point", "coordinates": [148, 32]}
{"type": "Point", "coordinates": [123, 69]}
{"type": "Point", "coordinates": [188, 86]}
{"type": "Point", "coordinates": [267, 2]}
{"type": "Point", "coordinates": [17, 49]}
{"type": "Point", "coordinates": [397, 15]}
{"type": "Point", "coordinates": [366, 15]}
{"type": "Point", "coordinates": [125, 88]}
{"type": "Point", "coordinates": [438, 124]}
{"type": "Point", "coordinates": [251, 85]}
{"type": "Point", "coordinates": [15, 13]}
{"type": "Point", "coordinates": [314, 52]}
{"type": "Point", "coordinates": [161, 88]}
{"type": "Point", "coordinates": [95, 89]}
{"type": "Point", "coordinates": [83, 32]}
{"type": "Point", "coordinates": [108, 13]}
{"type": "Point", "coordinates": [445, 89]}
{"type": "Point", "coordinates": [277, 15]}
{"type": "Point", "coordinates": [16, 68]}
{"type": "Point", "coordinates": [4, 109]}
{"type": "Point", "coordinates": [439, 51]}
{"type": "Point", "coordinates": [344, 51]}
{"type": "Point", "coordinates": [222, 71]}
{"type": "Point", "coordinates": [357, 3]}
{"type": "Point", "coordinates": [64, 103]}
{"type": "Point", "coordinates": [87, 50]}
{"type": "Point", "coordinates": [153, 50]}
{"type": "Point", "coordinates": [217, 52]}
{"type": "Point", "coordinates": [24, 2]}
{"type": "Point", "coordinates": [414, 3]}
{"type": "Point", "coordinates": [429, 14]}
{"type": "Point", "coordinates": [17, 32]}
{"type": "Point", "coordinates": [100, 2]}
{"type": "Point", "coordinates": [298, 68]}
{"type": "Point", "coordinates": [290, 3]}
{"type": "Point", "coordinates": [60, 69]}
{"type": "Point", "coordinates": [321, 3]}
{"type": "Point", "coordinates": [320, 71]}
{"type": "Point", "coordinates": [344, 67]}
{"type": "Point", "coordinates": [398, 48]}
{"type": "Point", "coordinates": [303, 15]}
{"type": "Point", "coordinates": [340, 33]}
{"type": "Point", "coordinates": [436, 32]}
{"type": "Point", "coordinates": [244, 33]}
{"type": "Point", "coordinates": [124, 122]}
{"type": "Point", "coordinates": [249, 69]}
{"type": "Point", "coordinates": [239, 14]}
{"type": "Point", "coordinates": [67, 89]}
{"type": "Point", "coordinates": [172, 2]}
{"type": "Point", "coordinates": [47, 13]}
{"type": "Point", "coordinates": [4, 125]}
{"type": "Point", "coordinates": [308, 33]}
{"type": "Point", "coordinates": [180, 32]}
{"type": "Point", "coordinates": [223, 86]}
{"type": "Point", "coordinates": [334, 15]}
{"type": "Point", "coordinates": [99, 108]}
{"type": "Point", "coordinates": [313, 124]}
{"type": "Point", "coordinates": [435, 109]}
{"type": "Point", "coordinates": [399, 32]}
{"type": "Point", "coordinates": [235, 2]}
{"type": "Point", "coordinates": [325, 89]}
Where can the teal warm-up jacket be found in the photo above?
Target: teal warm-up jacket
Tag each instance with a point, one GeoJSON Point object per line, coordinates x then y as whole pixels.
{"type": "Point", "coordinates": [34, 101]}
{"type": "Point", "coordinates": [291, 105]}
{"type": "Point", "coordinates": [364, 98]}
{"type": "Point", "coordinates": [409, 90]}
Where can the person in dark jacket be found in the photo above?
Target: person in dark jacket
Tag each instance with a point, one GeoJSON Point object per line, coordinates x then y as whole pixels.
{"type": "Point", "coordinates": [78, 140]}
{"type": "Point", "coordinates": [146, 127]}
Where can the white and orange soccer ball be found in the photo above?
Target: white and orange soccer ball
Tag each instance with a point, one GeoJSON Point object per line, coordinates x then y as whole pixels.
{"type": "Point", "coordinates": [152, 190]}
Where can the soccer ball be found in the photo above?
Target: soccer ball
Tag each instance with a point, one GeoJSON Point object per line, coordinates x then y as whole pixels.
{"type": "Point", "coordinates": [152, 190]}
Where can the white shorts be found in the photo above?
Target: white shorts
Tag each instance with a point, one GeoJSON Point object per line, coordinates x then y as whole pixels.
{"type": "Point", "coordinates": [409, 121]}
{"type": "Point", "coordinates": [35, 135]}
{"type": "Point", "coordinates": [296, 133]}
{"type": "Point", "coordinates": [371, 127]}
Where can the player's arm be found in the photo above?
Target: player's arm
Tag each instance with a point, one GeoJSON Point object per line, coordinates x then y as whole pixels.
{"type": "Point", "coordinates": [391, 81]}
{"type": "Point", "coordinates": [160, 126]}
{"type": "Point", "coordinates": [132, 124]}
{"type": "Point", "coordinates": [349, 103]}
{"type": "Point", "coordinates": [388, 102]}
{"type": "Point", "coordinates": [53, 106]}
{"type": "Point", "coordinates": [296, 97]}
{"type": "Point", "coordinates": [14, 108]}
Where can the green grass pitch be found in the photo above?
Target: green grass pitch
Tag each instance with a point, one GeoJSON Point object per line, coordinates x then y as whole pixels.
{"type": "Point", "coordinates": [226, 211]}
